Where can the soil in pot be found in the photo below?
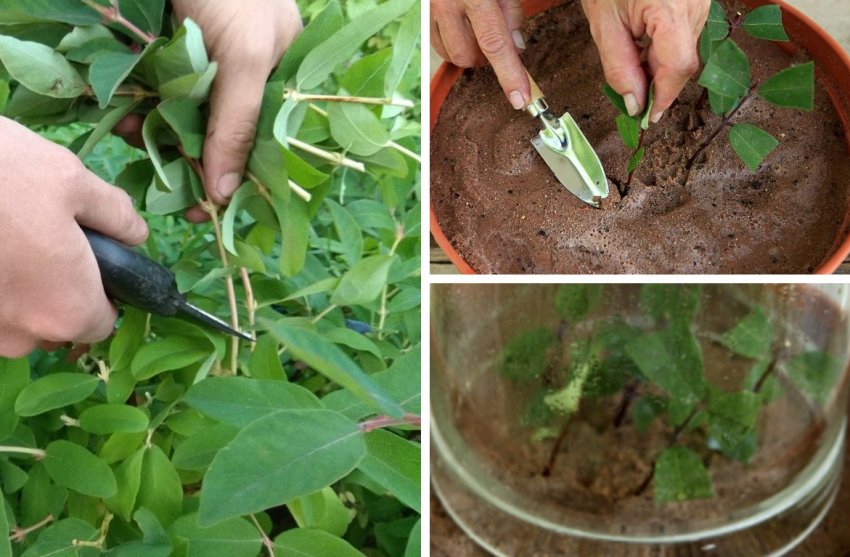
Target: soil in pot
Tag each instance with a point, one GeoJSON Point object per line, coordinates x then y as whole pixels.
{"type": "Point", "coordinates": [504, 212]}
{"type": "Point", "coordinates": [605, 456]}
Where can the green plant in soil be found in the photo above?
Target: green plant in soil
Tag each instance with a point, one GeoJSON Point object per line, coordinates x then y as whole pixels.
{"type": "Point", "coordinates": [169, 438]}
{"type": "Point", "coordinates": [728, 87]}
{"type": "Point", "coordinates": [655, 371]}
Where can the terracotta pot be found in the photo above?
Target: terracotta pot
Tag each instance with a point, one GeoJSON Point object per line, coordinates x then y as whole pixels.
{"type": "Point", "coordinates": [832, 71]}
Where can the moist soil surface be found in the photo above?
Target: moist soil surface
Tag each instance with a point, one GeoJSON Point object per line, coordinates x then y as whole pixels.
{"type": "Point", "coordinates": [504, 212]}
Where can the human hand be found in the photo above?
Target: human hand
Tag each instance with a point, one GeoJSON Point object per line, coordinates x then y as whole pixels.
{"type": "Point", "coordinates": [246, 39]}
{"type": "Point", "coordinates": [474, 32]}
{"type": "Point", "coordinates": [674, 27]}
{"type": "Point", "coordinates": [52, 291]}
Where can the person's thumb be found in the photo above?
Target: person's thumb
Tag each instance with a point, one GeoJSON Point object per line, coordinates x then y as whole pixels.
{"type": "Point", "coordinates": [108, 210]}
{"type": "Point", "coordinates": [497, 45]}
{"type": "Point", "coordinates": [234, 107]}
{"type": "Point", "coordinates": [621, 62]}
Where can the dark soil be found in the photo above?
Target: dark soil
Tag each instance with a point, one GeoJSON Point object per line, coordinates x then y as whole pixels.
{"type": "Point", "coordinates": [504, 211]}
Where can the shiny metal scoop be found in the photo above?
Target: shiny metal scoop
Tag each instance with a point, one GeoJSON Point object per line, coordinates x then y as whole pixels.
{"type": "Point", "coordinates": [567, 152]}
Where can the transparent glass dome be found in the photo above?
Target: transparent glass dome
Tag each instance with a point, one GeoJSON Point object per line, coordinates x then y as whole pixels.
{"type": "Point", "coordinates": [618, 419]}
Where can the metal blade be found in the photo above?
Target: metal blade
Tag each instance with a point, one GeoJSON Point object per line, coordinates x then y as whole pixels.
{"type": "Point", "coordinates": [197, 313]}
{"type": "Point", "coordinates": [577, 167]}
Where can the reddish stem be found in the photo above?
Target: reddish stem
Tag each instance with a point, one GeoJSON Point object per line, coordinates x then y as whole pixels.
{"type": "Point", "coordinates": [113, 15]}
{"type": "Point", "coordinates": [380, 422]}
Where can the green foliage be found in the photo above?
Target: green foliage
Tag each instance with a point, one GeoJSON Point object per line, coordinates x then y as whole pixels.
{"type": "Point", "coordinates": [631, 128]}
{"type": "Point", "coordinates": [651, 367]}
{"type": "Point", "coordinates": [178, 435]}
{"type": "Point", "coordinates": [765, 23]}
{"type": "Point", "coordinates": [752, 144]}
{"type": "Point", "coordinates": [680, 475]}
{"type": "Point", "coordinates": [791, 87]}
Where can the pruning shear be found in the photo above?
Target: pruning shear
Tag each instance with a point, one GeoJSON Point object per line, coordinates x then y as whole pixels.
{"type": "Point", "coordinates": [131, 278]}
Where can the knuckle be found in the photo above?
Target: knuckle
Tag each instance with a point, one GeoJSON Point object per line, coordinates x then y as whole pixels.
{"type": "Point", "coordinates": [462, 59]}
{"type": "Point", "coordinates": [492, 42]}
{"type": "Point", "coordinates": [237, 137]}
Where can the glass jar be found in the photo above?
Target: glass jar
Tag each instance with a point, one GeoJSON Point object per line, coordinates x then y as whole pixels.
{"type": "Point", "coordinates": [627, 420]}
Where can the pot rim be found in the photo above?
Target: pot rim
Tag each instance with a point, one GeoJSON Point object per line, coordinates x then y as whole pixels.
{"type": "Point", "coordinates": [447, 73]}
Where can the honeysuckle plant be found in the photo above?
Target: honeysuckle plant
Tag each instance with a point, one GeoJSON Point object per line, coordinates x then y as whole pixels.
{"type": "Point", "coordinates": [651, 366]}
{"type": "Point", "coordinates": [729, 87]}
{"type": "Point", "coordinates": [168, 438]}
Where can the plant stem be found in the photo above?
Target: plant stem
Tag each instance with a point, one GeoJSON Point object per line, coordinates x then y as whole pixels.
{"type": "Point", "coordinates": [19, 534]}
{"type": "Point", "coordinates": [726, 121]}
{"type": "Point", "coordinates": [674, 437]}
{"type": "Point", "coordinates": [324, 312]}
{"type": "Point", "coordinates": [335, 158]}
{"type": "Point", "coordinates": [627, 185]}
{"type": "Point", "coordinates": [623, 409]}
{"type": "Point", "coordinates": [382, 312]}
{"type": "Point", "coordinates": [556, 449]}
{"type": "Point", "coordinates": [98, 543]}
{"type": "Point", "coordinates": [388, 421]}
{"type": "Point", "coordinates": [250, 302]}
{"type": "Point", "coordinates": [404, 151]}
{"type": "Point", "coordinates": [266, 541]}
{"type": "Point", "coordinates": [37, 453]}
{"type": "Point", "coordinates": [113, 15]}
{"type": "Point", "coordinates": [212, 211]}
{"type": "Point", "coordinates": [298, 97]}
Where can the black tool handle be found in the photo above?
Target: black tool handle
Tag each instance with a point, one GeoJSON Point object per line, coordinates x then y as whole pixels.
{"type": "Point", "coordinates": [132, 278]}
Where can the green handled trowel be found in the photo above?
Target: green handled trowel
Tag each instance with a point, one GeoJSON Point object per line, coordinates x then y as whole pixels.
{"type": "Point", "coordinates": [567, 151]}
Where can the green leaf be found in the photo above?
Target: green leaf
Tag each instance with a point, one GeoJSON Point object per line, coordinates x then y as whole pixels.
{"type": "Point", "coordinates": [524, 357]}
{"type": "Point", "coordinates": [670, 302]}
{"type": "Point", "coordinates": [108, 71]}
{"type": "Point", "coordinates": [356, 128]}
{"type": "Point", "coordinates": [57, 540]}
{"type": "Point", "coordinates": [166, 354]}
{"type": "Point", "coordinates": [304, 542]}
{"type": "Point", "coordinates": [185, 189]}
{"type": "Point", "coordinates": [616, 99]}
{"type": "Point", "coordinates": [672, 359]}
{"type": "Point", "coordinates": [680, 476]}
{"type": "Point", "coordinates": [103, 128]}
{"type": "Point", "coordinates": [765, 22]}
{"type": "Point", "coordinates": [5, 542]}
{"type": "Point", "coordinates": [195, 87]}
{"type": "Point", "coordinates": [184, 118]}
{"type": "Point", "coordinates": [716, 26]}
{"type": "Point", "coordinates": [637, 157]}
{"type": "Point", "coordinates": [720, 104]}
{"type": "Point", "coordinates": [197, 452]}
{"type": "Point", "coordinates": [707, 47]}
{"type": "Point", "coordinates": [103, 419]}
{"type": "Point", "coordinates": [353, 339]}
{"type": "Point", "coordinates": [293, 453]}
{"type": "Point", "coordinates": [265, 360]}
{"type": "Point", "coordinates": [54, 391]}
{"type": "Point", "coordinates": [14, 377]}
{"type": "Point", "coordinates": [40, 69]}
{"type": "Point", "coordinates": [629, 129]}
{"type": "Point", "coordinates": [160, 489]}
{"type": "Point", "coordinates": [363, 282]}
{"type": "Point", "coordinates": [415, 540]}
{"type": "Point", "coordinates": [27, 106]}
{"type": "Point", "coordinates": [575, 301]}
{"type": "Point", "coordinates": [366, 77]}
{"type": "Point", "coordinates": [238, 401]}
{"type": "Point", "coordinates": [151, 127]}
{"type": "Point", "coordinates": [128, 478]}
{"type": "Point", "coordinates": [326, 24]}
{"type": "Point", "coordinates": [322, 510]}
{"type": "Point", "coordinates": [394, 463]}
{"type": "Point", "coordinates": [183, 54]}
{"type": "Point", "coordinates": [731, 420]}
{"type": "Point", "coordinates": [72, 12]}
{"type": "Point", "coordinates": [333, 363]}
{"type": "Point", "coordinates": [74, 467]}
{"type": "Point", "coordinates": [752, 144]}
{"type": "Point", "coordinates": [403, 49]}
{"type": "Point", "coordinates": [815, 373]}
{"type": "Point", "coordinates": [145, 14]}
{"type": "Point", "coordinates": [644, 120]}
{"type": "Point", "coordinates": [294, 229]}
{"type": "Point", "coordinates": [348, 232]}
{"type": "Point", "coordinates": [751, 337]}
{"type": "Point", "coordinates": [793, 87]}
{"type": "Point", "coordinates": [339, 47]}
{"type": "Point", "coordinates": [727, 72]}
{"type": "Point", "coordinates": [235, 537]}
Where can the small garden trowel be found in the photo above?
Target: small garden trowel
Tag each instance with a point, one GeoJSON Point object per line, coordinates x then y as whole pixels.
{"type": "Point", "coordinates": [567, 151]}
{"type": "Point", "coordinates": [131, 278]}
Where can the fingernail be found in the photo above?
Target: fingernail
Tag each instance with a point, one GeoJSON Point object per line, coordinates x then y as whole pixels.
{"type": "Point", "coordinates": [656, 117]}
{"type": "Point", "coordinates": [631, 104]}
{"type": "Point", "coordinates": [516, 100]}
{"type": "Point", "coordinates": [227, 184]}
{"type": "Point", "coordinates": [518, 40]}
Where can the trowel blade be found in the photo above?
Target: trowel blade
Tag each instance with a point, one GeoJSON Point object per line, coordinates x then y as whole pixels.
{"type": "Point", "coordinates": [577, 167]}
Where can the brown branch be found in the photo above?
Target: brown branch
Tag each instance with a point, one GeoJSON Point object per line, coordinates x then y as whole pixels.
{"type": "Point", "coordinates": [726, 121]}
{"type": "Point", "coordinates": [674, 437]}
{"type": "Point", "coordinates": [556, 449]}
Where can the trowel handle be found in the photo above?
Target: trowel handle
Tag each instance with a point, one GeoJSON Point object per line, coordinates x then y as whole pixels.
{"type": "Point", "coordinates": [536, 93]}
